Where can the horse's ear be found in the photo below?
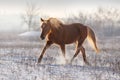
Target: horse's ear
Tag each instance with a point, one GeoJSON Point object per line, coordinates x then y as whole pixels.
{"type": "Point", "coordinates": [48, 20]}
{"type": "Point", "coordinates": [42, 19]}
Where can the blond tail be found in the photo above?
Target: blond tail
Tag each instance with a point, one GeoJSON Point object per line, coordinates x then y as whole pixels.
{"type": "Point", "coordinates": [92, 40]}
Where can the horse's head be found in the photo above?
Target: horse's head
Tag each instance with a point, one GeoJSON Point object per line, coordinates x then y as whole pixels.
{"type": "Point", "coordinates": [45, 28]}
{"type": "Point", "coordinates": [52, 24]}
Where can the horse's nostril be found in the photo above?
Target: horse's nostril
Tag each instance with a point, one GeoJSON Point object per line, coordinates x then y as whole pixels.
{"type": "Point", "coordinates": [42, 37]}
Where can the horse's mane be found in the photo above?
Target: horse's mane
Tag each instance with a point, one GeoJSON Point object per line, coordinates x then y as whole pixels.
{"type": "Point", "coordinates": [55, 23]}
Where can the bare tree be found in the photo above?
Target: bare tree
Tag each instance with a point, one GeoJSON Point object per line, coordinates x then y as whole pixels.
{"type": "Point", "coordinates": [30, 15]}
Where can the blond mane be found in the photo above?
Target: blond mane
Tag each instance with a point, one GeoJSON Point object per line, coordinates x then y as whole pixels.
{"type": "Point", "coordinates": [55, 22]}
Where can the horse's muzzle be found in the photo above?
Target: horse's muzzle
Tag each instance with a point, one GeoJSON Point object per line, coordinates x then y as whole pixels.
{"type": "Point", "coordinates": [42, 37]}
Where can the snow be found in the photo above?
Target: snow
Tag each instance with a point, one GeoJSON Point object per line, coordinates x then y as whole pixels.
{"type": "Point", "coordinates": [17, 71]}
{"type": "Point", "coordinates": [19, 63]}
{"type": "Point", "coordinates": [30, 33]}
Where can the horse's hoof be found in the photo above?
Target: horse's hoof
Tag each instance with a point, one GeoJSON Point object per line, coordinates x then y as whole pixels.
{"type": "Point", "coordinates": [87, 63]}
{"type": "Point", "coordinates": [66, 61]}
{"type": "Point", "coordinates": [70, 63]}
{"type": "Point", "coordinates": [39, 61]}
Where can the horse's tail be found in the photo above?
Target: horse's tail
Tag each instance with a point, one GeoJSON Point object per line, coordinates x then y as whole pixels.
{"type": "Point", "coordinates": [91, 38]}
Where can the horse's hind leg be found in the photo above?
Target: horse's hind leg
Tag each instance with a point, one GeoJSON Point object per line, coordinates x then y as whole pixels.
{"type": "Point", "coordinates": [76, 53]}
{"type": "Point", "coordinates": [84, 55]}
{"type": "Point", "coordinates": [77, 50]}
{"type": "Point", "coordinates": [80, 47]}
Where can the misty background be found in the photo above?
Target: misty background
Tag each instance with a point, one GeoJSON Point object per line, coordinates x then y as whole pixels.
{"type": "Point", "coordinates": [102, 15]}
{"type": "Point", "coordinates": [21, 46]}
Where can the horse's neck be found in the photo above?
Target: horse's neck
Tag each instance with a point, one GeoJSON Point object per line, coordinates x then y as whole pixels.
{"type": "Point", "coordinates": [57, 31]}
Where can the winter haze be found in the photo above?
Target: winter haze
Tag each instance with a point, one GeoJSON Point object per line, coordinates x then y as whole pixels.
{"type": "Point", "coordinates": [11, 10]}
{"type": "Point", "coordinates": [21, 45]}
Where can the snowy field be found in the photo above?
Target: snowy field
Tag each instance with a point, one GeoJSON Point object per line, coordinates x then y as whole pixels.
{"type": "Point", "coordinates": [18, 59]}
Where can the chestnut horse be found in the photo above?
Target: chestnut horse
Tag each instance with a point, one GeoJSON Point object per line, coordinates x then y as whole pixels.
{"type": "Point", "coordinates": [57, 32]}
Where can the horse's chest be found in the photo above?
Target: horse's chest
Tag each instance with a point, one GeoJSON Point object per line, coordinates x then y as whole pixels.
{"type": "Point", "coordinates": [55, 38]}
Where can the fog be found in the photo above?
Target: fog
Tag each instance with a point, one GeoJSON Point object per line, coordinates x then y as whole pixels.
{"type": "Point", "coordinates": [11, 10]}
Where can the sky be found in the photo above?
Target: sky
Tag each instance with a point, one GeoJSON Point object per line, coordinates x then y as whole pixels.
{"type": "Point", "coordinates": [10, 10]}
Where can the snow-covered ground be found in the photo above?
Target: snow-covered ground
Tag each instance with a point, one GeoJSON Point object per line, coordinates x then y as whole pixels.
{"type": "Point", "coordinates": [30, 33]}
{"type": "Point", "coordinates": [19, 63]}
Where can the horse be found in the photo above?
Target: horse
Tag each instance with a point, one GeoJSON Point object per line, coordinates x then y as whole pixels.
{"type": "Point", "coordinates": [55, 31]}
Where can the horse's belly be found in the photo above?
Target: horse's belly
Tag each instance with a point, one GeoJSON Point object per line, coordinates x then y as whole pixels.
{"type": "Point", "coordinates": [65, 41]}
{"type": "Point", "coordinates": [70, 40]}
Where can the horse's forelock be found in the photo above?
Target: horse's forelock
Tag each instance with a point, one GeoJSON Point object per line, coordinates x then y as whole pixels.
{"type": "Point", "coordinates": [55, 23]}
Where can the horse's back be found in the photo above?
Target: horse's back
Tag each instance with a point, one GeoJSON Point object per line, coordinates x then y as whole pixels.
{"type": "Point", "coordinates": [75, 28]}
{"type": "Point", "coordinates": [72, 32]}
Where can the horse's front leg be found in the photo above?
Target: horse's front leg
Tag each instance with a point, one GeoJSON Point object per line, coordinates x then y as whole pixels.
{"type": "Point", "coordinates": [63, 51]}
{"type": "Point", "coordinates": [48, 44]}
